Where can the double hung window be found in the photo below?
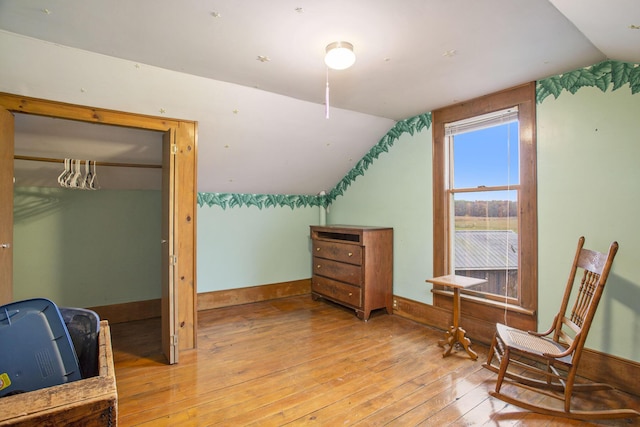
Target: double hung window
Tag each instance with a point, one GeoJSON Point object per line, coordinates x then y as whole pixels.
{"type": "Point", "coordinates": [483, 161]}
{"type": "Point", "coordinates": [485, 210]}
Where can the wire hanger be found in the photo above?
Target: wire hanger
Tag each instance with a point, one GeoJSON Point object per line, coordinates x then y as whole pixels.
{"type": "Point", "coordinates": [63, 176]}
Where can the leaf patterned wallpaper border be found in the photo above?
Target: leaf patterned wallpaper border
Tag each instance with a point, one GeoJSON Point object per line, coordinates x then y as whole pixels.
{"type": "Point", "coordinates": [614, 74]}
{"type": "Point", "coordinates": [235, 200]}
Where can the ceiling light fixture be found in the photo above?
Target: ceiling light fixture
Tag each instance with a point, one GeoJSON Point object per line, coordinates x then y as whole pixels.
{"type": "Point", "coordinates": [339, 55]}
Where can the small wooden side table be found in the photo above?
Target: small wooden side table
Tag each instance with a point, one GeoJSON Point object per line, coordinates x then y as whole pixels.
{"type": "Point", "coordinates": [456, 334]}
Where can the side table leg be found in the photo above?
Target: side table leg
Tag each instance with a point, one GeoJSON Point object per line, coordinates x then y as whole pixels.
{"type": "Point", "coordinates": [466, 343]}
{"type": "Point", "coordinates": [449, 340]}
{"type": "Point", "coordinates": [456, 334]}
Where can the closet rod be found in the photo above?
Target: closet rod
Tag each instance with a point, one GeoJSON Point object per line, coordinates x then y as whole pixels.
{"type": "Point", "coordinates": [122, 165]}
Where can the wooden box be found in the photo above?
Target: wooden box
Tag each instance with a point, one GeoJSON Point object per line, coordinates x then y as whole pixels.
{"type": "Point", "coordinates": [87, 402]}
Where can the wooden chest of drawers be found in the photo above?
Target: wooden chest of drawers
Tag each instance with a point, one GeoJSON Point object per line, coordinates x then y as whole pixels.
{"type": "Point", "coordinates": [353, 266]}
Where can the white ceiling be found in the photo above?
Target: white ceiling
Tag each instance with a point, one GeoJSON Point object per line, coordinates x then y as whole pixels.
{"type": "Point", "coordinates": [412, 56]}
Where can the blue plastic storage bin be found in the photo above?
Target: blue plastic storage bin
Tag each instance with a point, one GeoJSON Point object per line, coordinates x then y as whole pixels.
{"type": "Point", "coordinates": [36, 350]}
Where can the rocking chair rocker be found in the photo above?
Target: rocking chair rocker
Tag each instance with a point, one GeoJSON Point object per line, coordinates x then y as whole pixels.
{"type": "Point", "coordinates": [547, 362]}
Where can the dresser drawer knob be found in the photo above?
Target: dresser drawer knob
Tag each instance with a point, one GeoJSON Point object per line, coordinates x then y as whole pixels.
{"type": "Point", "coordinates": [350, 293]}
{"type": "Point", "coordinates": [318, 266]}
{"type": "Point", "coordinates": [318, 249]}
{"type": "Point", "coordinates": [350, 253]}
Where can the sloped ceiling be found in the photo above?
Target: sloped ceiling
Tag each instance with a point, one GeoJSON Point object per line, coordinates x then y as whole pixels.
{"type": "Point", "coordinates": [251, 73]}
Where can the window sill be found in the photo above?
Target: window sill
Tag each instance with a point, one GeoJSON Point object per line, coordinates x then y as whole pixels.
{"type": "Point", "coordinates": [484, 301]}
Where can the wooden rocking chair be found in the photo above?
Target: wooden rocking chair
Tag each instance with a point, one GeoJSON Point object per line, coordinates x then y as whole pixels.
{"type": "Point", "coordinates": [547, 362]}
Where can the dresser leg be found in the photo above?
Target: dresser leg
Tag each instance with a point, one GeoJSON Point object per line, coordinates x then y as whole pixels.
{"type": "Point", "coordinates": [363, 315]}
{"type": "Point", "coordinates": [389, 307]}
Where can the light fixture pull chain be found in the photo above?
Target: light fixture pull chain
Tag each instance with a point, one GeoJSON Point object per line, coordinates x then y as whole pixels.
{"type": "Point", "coordinates": [326, 97]}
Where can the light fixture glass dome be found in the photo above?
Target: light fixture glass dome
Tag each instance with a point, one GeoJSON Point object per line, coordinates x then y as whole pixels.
{"type": "Point", "coordinates": [339, 55]}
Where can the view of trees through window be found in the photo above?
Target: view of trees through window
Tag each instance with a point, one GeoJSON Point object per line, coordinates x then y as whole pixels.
{"type": "Point", "coordinates": [483, 189]}
{"type": "Point", "coordinates": [492, 214]}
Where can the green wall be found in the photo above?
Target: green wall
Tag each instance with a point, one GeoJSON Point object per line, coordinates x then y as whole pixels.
{"type": "Point", "coordinates": [588, 175]}
{"type": "Point", "coordinates": [249, 246]}
{"type": "Point", "coordinates": [91, 248]}
{"type": "Point", "coordinates": [396, 191]}
{"type": "Point", "coordinates": [86, 248]}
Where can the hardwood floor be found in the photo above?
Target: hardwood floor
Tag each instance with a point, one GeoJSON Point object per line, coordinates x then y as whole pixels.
{"type": "Point", "coordinates": [302, 362]}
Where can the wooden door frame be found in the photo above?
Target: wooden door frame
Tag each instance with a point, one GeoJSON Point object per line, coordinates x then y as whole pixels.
{"type": "Point", "coordinates": [6, 207]}
{"type": "Point", "coordinates": [185, 180]}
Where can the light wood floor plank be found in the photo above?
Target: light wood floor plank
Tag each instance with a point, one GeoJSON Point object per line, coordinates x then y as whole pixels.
{"type": "Point", "coordinates": [300, 362]}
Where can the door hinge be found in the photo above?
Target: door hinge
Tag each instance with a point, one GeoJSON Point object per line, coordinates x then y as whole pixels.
{"type": "Point", "coordinates": [175, 340]}
{"type": "Point", "coordinates": [174, 149]}
{"type": "Point", "coordinates": [173, 260]}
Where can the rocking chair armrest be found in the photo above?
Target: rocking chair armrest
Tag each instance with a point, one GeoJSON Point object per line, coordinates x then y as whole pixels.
{"type": "Point", "coordinates": [544, 334]}
{"type": "Point", "coordinates": [565, 353]}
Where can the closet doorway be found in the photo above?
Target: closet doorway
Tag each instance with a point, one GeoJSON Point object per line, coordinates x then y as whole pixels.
{"type": "Point", "coordinates": [178, 206]}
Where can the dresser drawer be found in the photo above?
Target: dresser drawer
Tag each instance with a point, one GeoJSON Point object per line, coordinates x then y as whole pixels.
{"type": "Point", "coordinates": [338, 270]}
{"type": "Point", "coordinates": [337, 291]}
{"type": "Point", "coordinates": [338, 251]}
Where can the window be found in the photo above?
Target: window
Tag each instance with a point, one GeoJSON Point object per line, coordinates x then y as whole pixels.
{"type": "Point", "coordinates": [483, 164]}
{"type": "Point", "coordinates": [485, 201]}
